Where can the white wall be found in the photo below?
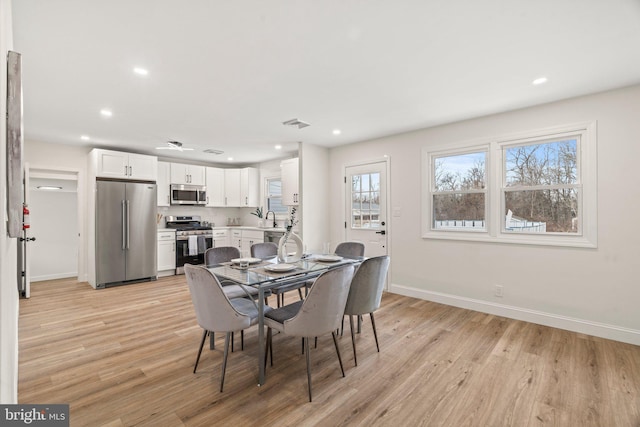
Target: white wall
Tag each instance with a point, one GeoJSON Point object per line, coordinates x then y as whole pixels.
{"type": "Point", "coordinates": [47, 156]}
{"type": "Point", "coordinates": [8, 248]}
{"type": "Point", "coordinates": [314, 169]}
{"type": "Point", "coordinates": [594, 291]}
{"type": "Point", "coordinates": [54, 223]}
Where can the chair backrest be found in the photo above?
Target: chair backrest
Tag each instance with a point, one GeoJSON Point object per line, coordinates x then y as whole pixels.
{"type": "Point", "coordinates": [366, 286]}
{"type": "Point", "coordinates": [350, 249]}
{"type": "Point", "coordinates": [323, 308]}
{"type": "Point", "coordinates": [214, 311]}
{"type": "Point", "coordinates": [215, 256]}
{"type": "Point", "coordinates": [264, 250]}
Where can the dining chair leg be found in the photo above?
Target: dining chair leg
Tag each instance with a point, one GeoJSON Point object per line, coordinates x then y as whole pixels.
{"type": "Point", "coordinates": [300, 293]}
{"type": "Point", "coordinates": [335, 342]}
{"type": "Point", "coordinates": [306, 347]}
{"type": "Point", "coordinates": [375, 334]}
{"type": "Point", "coordinates": [353, 340]}
{"type": "Point", "coordinates": [227, 337]}
{"type": "Point", "coordinates": [212, 341]}
{"type": "Point", "coordinates": [232, 340]}
{"type": "Point", "coordinates": [242, 340]}
{"type": "Point", "coordinates": [204, 337]}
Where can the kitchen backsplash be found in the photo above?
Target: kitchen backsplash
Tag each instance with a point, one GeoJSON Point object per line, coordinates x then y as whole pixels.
{"type": "Point", "coordinates": [217, 216]}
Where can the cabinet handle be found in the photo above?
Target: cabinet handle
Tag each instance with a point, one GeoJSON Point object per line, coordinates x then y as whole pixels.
{"type": "Point", "coordinates": [169, 199]}
{"type": "Point", "coordinates": [246, 201]}
{"type": "Point", "coordinates": [207, 199]}
{"type": "Point", "coordinates": [174, 247]}
{"type": "Point", "coordinates": [130, 170]}
{"type": "Point", "coordinates": [125, 171]}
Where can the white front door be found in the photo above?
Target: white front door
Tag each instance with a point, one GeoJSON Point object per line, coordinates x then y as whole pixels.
{"type": "Point", "coordinates": [366, 206]}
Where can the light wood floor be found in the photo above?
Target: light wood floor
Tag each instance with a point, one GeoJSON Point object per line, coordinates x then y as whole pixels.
{"type": "Point", "coordinates": [124, 356]}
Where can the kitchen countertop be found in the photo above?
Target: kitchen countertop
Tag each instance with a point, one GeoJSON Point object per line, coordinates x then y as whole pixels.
{"type": "Point", "coordinates": [235, 227]}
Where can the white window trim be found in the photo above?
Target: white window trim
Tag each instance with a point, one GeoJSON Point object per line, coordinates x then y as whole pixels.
{"type": "Point", "coordinates": [494, 200]}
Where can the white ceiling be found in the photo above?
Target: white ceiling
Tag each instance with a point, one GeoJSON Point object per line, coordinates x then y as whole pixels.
{"type": "Point", "coordinates": [226, 74]}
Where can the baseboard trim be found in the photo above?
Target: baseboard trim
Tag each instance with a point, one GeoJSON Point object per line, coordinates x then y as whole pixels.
{"type": "Point", "coordinates": [54, 276]}
{"type": "Point", "coordinates": [602, 330]}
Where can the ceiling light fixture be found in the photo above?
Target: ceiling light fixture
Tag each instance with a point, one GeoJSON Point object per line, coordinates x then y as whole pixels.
{"type": "Point", "coordinates": [174, 145]}
{"type": "Point", "coordinates": [337, 131]}
{"type": "Point", "coordinates": [48, 187]}
{"type": "Point", "coordinates": [297, 123]}
{"type": "Point", "coordinates": [213, 151]}
{"type": "Point", "coordinates": [539, 81]}
{"type": "Point", "coordinates": [230, 159]}
{"type": "Point", "coordinates": [141, 71]}
{"type": "Point", "coordinates": [106, 113]}
{"type": "Point", "coordinates": [84, 137]}
{"type": "Point", "coordinates": [278, 147]}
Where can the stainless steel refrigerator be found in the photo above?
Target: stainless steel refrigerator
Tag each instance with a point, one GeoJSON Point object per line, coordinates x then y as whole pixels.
{"type": "Point", "coordinates": [126, 232]}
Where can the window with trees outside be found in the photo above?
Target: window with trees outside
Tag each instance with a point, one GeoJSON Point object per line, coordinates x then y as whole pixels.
{"type": "Point", "coordinates": [274, 196]}
{"type": "Point", "coordinates": [533, 188]}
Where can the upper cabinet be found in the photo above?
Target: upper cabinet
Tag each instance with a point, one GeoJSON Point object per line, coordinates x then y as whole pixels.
{"type": "Point", "coordinates": [215, 187]}
{"type": "Point", "coordinates": [116, 164]}
{"type": "Point", "coordinates": [187, 174]}
{"type": "Point", "coordinates": [163, 183]}
{"type": "Point", "coordinates": [249, 187]}
{"type": "Point", "coordinates": [290, 182]}
{"type": "Point", "coordinates": [242, 187]}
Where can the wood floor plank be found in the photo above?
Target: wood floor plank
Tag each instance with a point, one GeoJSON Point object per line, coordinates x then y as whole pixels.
{"type": "Point", "coordinates": [124, 356]}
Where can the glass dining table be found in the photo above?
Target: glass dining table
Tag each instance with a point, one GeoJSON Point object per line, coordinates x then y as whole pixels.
{"type": "Point", "coordinates": [268, 274]}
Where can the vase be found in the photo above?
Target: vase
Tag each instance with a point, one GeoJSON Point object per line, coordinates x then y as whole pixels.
{"type": "Point", "coordinates": [282, 248]}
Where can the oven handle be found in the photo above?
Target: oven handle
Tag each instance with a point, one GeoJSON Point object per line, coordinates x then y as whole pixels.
{"type": "Point", "coordinates": [206, 236]}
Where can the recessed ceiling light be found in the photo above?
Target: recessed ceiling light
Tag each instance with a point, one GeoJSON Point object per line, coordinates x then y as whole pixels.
{"type": "Point", "coordinates": [278, 147]}
{"type": "Point", "coordinates": [337, 131]}
{"type": "Point", "coordinates": [106, 113]}
{"type": "Point", "coordinates": [539, 81]}
{"type": "Point", "coordinates": [84, 137]}
{"type": "Point", "coordinates": [230, 159]}
{"type": "Point", "coordinates": [141, 71]}
{"type": "Point", "coordinates": [48, 187]}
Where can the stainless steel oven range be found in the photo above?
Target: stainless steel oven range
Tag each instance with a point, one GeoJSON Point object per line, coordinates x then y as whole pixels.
{"type": "Point", "coordinates": [192, 240]}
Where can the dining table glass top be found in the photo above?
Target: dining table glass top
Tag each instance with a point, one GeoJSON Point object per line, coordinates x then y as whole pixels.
{"type": "Point", "coordinates": [266, 271]}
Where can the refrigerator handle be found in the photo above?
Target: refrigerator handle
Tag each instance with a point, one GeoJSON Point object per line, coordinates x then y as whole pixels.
{"type": "Point", "coordinates": [128, 221]}
{"type": "Point", "coordinates": [124, 225]}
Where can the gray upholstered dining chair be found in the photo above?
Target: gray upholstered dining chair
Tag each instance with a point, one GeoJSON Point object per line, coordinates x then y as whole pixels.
{"type": "Point", "coordinates": [319, 314]}
{"type": "Point", "coordinates": [269, 250]}
{"type": "Point", "coordinates": [365, 293]}
{"type": "Point", "coordinates": [350, 249]}
{"type": "Point", "coordinates": [264, 250]}
{"type": "Point", "coordinates": [216, 312]}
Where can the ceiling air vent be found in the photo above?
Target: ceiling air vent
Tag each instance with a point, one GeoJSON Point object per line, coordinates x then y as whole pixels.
{"type": "Point", "coordinates": [213, 151]}
{"type": "Point", "coordinates": [295, 122]}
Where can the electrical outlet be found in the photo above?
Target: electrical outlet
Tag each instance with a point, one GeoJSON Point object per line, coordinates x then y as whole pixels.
{"type": "Point", "coordinates": [499, 291]}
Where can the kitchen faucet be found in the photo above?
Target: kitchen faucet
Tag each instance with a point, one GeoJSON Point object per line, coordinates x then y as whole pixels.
{"type": "Point", "coordinates": [274, 218]}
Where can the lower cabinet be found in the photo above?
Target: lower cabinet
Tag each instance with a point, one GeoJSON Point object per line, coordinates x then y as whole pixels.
{"type": "Point", "coordinates": [166, 253]}
{"type": "Point", "coordinates": [243, 239]}
{"type": "Point", "coordinates": [220, 238]}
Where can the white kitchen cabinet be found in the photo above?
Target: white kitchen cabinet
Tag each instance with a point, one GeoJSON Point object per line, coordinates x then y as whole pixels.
{"type": "Point", "coordinates": [290, 182]}
{"type": "Point", "coordinates": [249, 237]}
{"type": "Point", "coordinates": [242, 187]}
{"type": "Point", "coordinates": [249, 187]}
{"type": "Point", "coordinates": [187, 174]}
{"type": "Point", "coordinates": [215, 187]}
{"type": "Point", "coordinates": [166, 253]}
{"type": "Point", "coordinates": [120, 165]}
{"type": "Point", "coordinates": [235, 239]}
{"type": "Point", "coordinates": [163, 183]}
{"type": "Point", "coordinates": [220, 238]}
{"type": "Point", "coordinates": [232, 187]}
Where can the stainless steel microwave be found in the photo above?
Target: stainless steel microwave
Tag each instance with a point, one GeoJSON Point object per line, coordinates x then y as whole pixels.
{"type": "Point", "coordinates": [188, 194]}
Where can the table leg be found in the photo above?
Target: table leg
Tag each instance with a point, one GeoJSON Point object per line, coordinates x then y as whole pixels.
{"type": "Point", "coordinates": [261, 348]}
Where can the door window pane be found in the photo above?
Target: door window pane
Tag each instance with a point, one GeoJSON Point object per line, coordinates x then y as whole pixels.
{"type": "Point", "coordinates": [365, 196]}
